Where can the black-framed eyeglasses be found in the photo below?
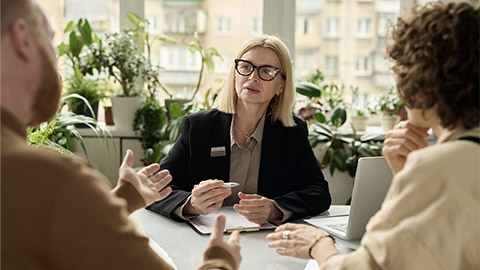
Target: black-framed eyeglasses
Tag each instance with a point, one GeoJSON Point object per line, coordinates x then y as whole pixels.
{"type": "Point", "coordinates": [265, 72]}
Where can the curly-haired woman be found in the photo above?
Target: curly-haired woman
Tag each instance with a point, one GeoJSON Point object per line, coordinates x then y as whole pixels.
{"type": "Point", "coordinates": [430, 217]}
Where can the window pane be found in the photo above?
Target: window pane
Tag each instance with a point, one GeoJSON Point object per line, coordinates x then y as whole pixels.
{"type": "Point", "coordinates": [223, 24]}
{"type": "Point", "coordinates": [346, 42]}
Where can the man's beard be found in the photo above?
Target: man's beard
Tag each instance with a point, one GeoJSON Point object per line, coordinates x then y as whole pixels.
{"type": "Point", "coordinates": [47, 97]}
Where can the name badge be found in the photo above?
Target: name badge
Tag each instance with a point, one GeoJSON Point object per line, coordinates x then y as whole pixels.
{"type": "Point", "coordinates": [218, 151]}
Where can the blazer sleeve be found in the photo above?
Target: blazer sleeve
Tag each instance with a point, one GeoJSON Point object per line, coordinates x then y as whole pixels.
{"type": "Point", "coordinates": [291, 174]}
{"type": "Point", "coordinates": [176, 162]}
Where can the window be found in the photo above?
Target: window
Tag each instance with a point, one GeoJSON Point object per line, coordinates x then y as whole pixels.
{"type": "Point", "coordinates": [223, 26]}
{"type": "Point", "coordinates": [364, 28]}
{"type": "Point", "coordinates": [224, 66]}
{"type": "Point", "coordinates": [304, 25]}
{"type": "Point", "coordinates": [331, 64]}
{"type": "Point", "coordinates": [181, 22]}
{"type": "Point", "coordinates": [257, 28]}
{"type": "Point", "coordinates": [332, 27]}
{"type": "Point", "coordinates": [363, 66]}
{"type": "Point", "coordinates": [179, 57]}
{"type": "Point", "coordinates": [153, 26]}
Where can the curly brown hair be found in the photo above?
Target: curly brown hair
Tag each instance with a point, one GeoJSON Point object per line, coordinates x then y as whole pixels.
{"type": "Point", "coordinates": [436, 55]}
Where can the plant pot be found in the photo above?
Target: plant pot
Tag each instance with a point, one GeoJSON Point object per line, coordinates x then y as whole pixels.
{"type": "Point", "coordinates": [359, 122]}
{"type": "Point", "coordinates": [83, 110]}
{"type": "Point", "coordinates": [124, 109]}
{"type": "Point", "coordinates": [108, 115]}
{"type": "Point", "coordinates": [389, 121]}
{"type": "Point", "coordinates": [340, 186]}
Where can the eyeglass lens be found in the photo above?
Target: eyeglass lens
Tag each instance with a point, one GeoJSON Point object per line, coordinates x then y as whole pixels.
{"type": "Point", "coordinates": [265, 73]}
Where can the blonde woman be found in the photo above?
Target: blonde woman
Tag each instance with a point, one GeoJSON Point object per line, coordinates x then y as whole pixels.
{"type": "Point", "coordinates": [251, 138]}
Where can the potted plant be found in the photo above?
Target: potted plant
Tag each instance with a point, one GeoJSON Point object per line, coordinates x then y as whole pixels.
{"type": "Point", "coordinates": [121, 59]}
{"type": "Point", "coordinates": [338, 150]}
{"type": "Point", "coordinates": [389, 104]}
{"type": "Point", "coordinates": [87, 88]}
{"type": "Point", "coordinates": [360, 120]}
{"type": "Point", "coordinates": [57, 133]}
{"type": "Point", "coordinates": [81, 37]}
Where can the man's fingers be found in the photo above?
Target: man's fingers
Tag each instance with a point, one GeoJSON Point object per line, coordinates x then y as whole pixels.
{"type": "Point", "coordinates": [128, 159]}
{"type": "Point", "coordinates": [153, 168]}
{"type": "Point", "coordinates": [219, 226]}
{"type": "Point", "coordinates": [164, 193]}
{"type": "Point", "coordinates": [234, 237]}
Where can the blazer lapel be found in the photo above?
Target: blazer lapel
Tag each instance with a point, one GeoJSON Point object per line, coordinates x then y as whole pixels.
{"type": "Point", "coordinates": [220, 165]}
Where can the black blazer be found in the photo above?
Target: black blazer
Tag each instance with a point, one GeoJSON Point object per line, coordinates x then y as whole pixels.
{"type": "Point", "coordinates": [289, 172]}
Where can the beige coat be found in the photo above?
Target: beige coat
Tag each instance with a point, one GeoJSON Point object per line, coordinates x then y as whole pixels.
{"type": "Point", "coordinates": [430, 218]}
{"type": "Point", "coordinates": [58, 213]}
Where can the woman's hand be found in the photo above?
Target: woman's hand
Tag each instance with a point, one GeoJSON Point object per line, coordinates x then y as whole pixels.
{"type": "Point", "coordinates": [402, 140]}
{"type": "Point", "coordinates": [150, 188]}
{"type": "Point", "coordinates": [207, 197]}
{"type": "Point", "coordinates": [256, 208]}
{"type": "Point", "coordinates": [232, 245]}
{"type": "Point", "coordinates": [296, 239]}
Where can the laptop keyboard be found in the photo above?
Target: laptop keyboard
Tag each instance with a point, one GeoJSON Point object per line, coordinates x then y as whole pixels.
{"type": "Point", "coordinates": [338, 227]}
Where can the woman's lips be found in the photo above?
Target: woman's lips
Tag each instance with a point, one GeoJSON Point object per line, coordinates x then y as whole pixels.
{"type": "Point", "coordinates": [251, 89]}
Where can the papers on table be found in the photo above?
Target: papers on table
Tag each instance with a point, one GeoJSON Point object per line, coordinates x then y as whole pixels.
{"type": "Point", "coordinates": [203, 224]}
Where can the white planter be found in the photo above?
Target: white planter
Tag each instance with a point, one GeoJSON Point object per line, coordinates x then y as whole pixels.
{"type": "Point", "coordinates": [359, 122]}
{"type": "Point", "coordinates": [124, 109]}
{"type": "Point", "coordinates": [389, 121]}
{"type": "Point", "coordinates": [340, 185]}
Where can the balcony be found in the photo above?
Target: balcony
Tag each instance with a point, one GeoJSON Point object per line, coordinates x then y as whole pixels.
{"type": "Point", "coordinates": [182, 3]}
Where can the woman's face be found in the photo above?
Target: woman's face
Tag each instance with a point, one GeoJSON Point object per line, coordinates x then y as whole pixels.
{"type": "Point", "coordinates": [251, 88]}
{"type": "Point", "coordinates": [428, 119]}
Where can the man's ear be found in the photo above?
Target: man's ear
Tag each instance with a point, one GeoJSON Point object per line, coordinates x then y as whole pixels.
{"type": "Point", "coordinates": [22, 38]}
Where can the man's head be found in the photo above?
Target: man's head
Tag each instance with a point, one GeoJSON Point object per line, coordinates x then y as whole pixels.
{"type": "Point", "coordinates": [30, 84]}
{"type": "Point", "coordinates": [436, 55]}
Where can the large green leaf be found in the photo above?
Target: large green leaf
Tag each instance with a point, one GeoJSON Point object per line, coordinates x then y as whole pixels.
{"type": "Point", "coordinates": [339, 116]}
{"type": "Point", "coordinates": [308, 89]}
{"type": "Point", "coordinates": [76, 44]}
{"type": "Point", "coordinates": [320, 117]}
{"type": "Point", "coordinates": [86, 32]}
{"type": "Point", "coordinates": [351, 163]}
{"type": "Point", "coordinates": [167, 39]}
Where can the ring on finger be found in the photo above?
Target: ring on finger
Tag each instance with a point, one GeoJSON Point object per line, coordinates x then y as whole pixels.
{"type": "Point", "coordinates": [285, 234]}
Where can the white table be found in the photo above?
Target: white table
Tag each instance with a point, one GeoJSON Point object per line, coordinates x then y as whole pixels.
{"type": "Point", "coordinates": [185, 247]}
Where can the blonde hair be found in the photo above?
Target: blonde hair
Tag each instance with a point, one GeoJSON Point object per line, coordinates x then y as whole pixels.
{"type": "Point", "coordinates": [281, 105]}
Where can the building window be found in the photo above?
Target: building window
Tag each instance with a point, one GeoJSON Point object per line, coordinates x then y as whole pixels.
{"type": "Point", "coordinates": [363, 66]}
{"type": "Point", "coordinates": [332, 27]}
{"type": "Point", "coordinates": [257, 28]}
{"type": "Point", "coordinates": [153, 25]}
{"type": "Point", "coordinates": [180, 22]}
{"type": "Point", "coordinates": [364, 28]}
{"type": "Point", "coordinates": [304, 25]}
{"type": "Point", "coordinates": [331, 64]}
{"type": "Point", "coordinates": [223, 26]}
{"type": "Point", "coordinates": [179, 57]}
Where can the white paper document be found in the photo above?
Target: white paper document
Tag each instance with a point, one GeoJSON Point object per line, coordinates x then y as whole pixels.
{"type": "Point", "coordinates": [204, 223]}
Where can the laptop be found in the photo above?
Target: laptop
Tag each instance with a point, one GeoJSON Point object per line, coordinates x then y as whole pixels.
{"type": "Point", "coordinates": [372, 182]}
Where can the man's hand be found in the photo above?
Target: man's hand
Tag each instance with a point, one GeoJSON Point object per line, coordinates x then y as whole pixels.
{"type": "Point", "coordinates": [207, 197]}
{"type": "Point", "coordinates": [402, 140]}
{"type": "Point", "coordinates": [256, 208]}
{"type": "Point", "coordinates": [232, 245]}
{"type": "Point", "coordinates": [150, 188]}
